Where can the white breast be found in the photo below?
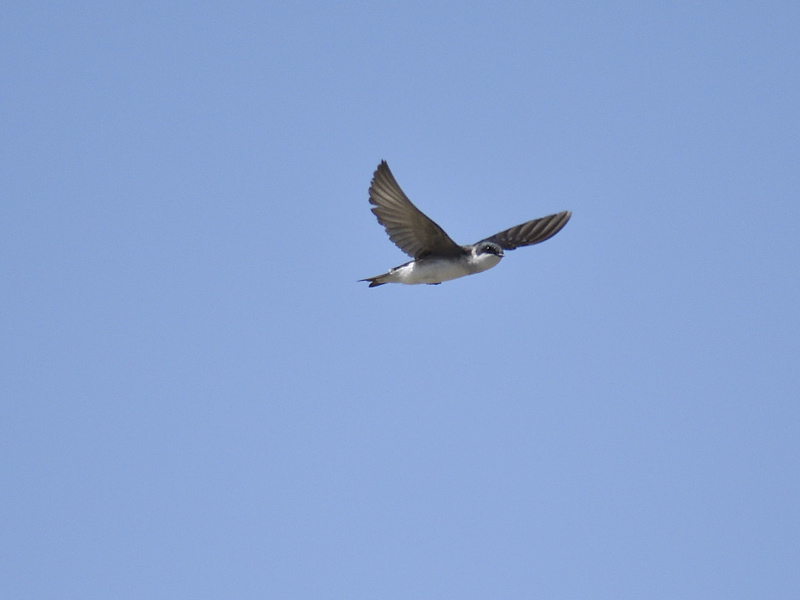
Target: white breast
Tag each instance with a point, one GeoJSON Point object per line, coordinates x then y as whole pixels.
{"type": "Point", "coordinates": [483, 262]}
{"type": "Point", "coordinates": [437, 270]}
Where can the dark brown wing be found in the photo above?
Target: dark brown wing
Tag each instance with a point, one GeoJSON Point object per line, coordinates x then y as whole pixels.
{"type": "Point", "coordinates": [412, 232]}
{"type": "Point", "coordinates": [531, 232]}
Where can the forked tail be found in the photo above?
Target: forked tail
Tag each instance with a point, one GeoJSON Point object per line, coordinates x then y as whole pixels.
{"type": "Point", "coordinates": [376, 281]}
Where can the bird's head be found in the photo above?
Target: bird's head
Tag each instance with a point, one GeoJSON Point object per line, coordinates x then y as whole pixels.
{"type": "Point", "coordinates": [487, 249]}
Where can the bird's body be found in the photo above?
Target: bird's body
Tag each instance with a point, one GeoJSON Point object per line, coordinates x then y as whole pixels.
{"type": "Point", "coordinates": [436, 269]}
{"type": "Point", "coordinates": [437, 258]}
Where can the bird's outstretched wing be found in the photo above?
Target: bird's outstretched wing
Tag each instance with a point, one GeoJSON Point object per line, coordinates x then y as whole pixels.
{"type": "Point", "coordinates": [531, 232]}
{"type": "Point", "coordinates": [407, 226]}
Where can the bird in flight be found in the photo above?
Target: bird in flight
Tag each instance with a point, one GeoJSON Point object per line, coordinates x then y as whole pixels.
{"type": "Point", "coordinates": [437, 258]}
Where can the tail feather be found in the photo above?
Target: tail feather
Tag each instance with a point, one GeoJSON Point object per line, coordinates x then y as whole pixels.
{"type": "Point", "coordinates": [376, 281]}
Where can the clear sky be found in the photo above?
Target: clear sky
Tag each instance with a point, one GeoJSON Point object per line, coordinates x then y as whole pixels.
{"type": "Point", "coordinates": [199, 400]}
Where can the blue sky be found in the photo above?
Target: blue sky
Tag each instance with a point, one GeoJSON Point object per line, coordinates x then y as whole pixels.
{"type": "Point", "coordinates": [200, 401]}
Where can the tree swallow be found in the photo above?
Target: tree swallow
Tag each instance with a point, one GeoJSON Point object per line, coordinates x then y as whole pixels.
{"type": "Point", "coordinates": [437, 258]}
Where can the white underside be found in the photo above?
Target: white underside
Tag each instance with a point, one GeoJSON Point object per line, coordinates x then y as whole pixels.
{"type": "Point", "coordinates": [437, 270]}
